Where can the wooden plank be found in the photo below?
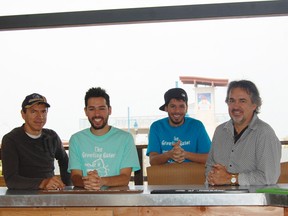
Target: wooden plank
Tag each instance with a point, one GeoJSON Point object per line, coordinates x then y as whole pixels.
{"type": "Point", "coordinates": [214, 211]}
{"type": "Point", "coordinates": [168, 174]}
{"type": "Point", "coordinates": [285, 211]}
{"type": "Point", "coordinates": [147, 211]}
{"type": "Point", "coordinates": [56, 212]}
{"type": "Point", "coordinates": [2, 182]}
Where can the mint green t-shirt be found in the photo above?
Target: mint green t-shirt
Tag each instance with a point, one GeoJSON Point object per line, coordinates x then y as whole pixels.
{"type": "Point", "coordinates": [107, 154]}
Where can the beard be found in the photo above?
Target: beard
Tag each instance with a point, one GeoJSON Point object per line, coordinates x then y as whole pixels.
{"type": "Point", "coordinates": [237, 116]}
{"type": "Point", "coordinates": [176, 121]}
{"type": "Point", "coordinates": [98, 126]}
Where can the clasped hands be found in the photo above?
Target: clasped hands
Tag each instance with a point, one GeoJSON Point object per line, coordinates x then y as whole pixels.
{"type": "Point", "coordinates": [92, 181]}
{"type": "Point", "coordinates": [178, 153]}
{"type": "Point", "coordinates": [53, 183]}
{"type": "Point", "coordinates": [218, 175]}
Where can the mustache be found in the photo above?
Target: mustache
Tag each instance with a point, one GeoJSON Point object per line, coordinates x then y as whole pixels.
{"type": "Point", "coordinates": [236, 110]}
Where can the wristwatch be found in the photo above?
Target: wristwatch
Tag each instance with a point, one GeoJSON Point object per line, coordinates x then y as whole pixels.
{"type": "Point", "coordinates": [233, 179]}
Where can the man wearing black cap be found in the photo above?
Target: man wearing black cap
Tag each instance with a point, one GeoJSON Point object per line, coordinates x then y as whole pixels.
{"type": "Point", "coordinates": [28, 152]}
{"type": "Point", "coordinates": [177, 138]}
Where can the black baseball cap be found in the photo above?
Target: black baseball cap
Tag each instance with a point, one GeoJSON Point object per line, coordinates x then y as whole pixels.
{"type": "Point", "coordinates": [177, 93]}
{"type": "Point", "coordinates": [33, 99]}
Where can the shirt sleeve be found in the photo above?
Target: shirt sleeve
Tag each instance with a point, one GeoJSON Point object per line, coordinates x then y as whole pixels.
{"type": "Point", "coordinates": [10, 164]}
{"type": "Point", "coordinates": [130, 157]}
{"type": "Point", "coordinates": [75, 159]}
{"type": "Point", "coordinates": [63, 159]}
{"type": "Point", "coordinates": [210, 161]}
{"type": "Point", "coordinates": [153, 141]}
{"type": "Point", "coordinates": [204, 141]}
{"type": "Point", "coordinates": [268, 156]}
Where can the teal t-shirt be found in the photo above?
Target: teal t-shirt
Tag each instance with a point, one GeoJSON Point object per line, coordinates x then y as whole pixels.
{"type": "Point", "coordinates": [107, 154]}
{"type": "Point", "coordinates": [192, 134]}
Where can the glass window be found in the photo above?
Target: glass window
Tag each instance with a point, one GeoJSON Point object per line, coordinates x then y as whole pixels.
{"type": "Point", "coordinates": [137, 63]}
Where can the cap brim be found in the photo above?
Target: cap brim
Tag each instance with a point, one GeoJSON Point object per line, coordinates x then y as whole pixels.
{"type": "Point", "coordinates": [30, 105]}
{"type": "Point", "coordinates": [162, 107]}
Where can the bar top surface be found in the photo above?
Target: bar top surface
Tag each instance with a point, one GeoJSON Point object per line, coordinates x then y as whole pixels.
{"type": "Point", "coordinates": [142, 196]}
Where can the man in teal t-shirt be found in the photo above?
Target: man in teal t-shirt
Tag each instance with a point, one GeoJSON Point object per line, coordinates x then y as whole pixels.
{"type": "Point", "coordinates": [101, 155]}
{"type": "Point", "coordinates": [177, 138]}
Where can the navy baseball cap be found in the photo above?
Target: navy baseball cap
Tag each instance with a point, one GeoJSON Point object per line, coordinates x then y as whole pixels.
{"type": "Point", "coordinates": [177, 93]}
{"type": "Point", "coordinates": [33, 99]}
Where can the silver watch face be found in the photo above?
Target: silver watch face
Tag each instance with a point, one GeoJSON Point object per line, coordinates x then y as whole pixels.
{"type": "Point", "coordinates": [233, 180]}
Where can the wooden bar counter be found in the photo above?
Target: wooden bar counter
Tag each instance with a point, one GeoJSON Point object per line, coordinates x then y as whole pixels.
{"type": "Point", "coordinates": [138, 200]}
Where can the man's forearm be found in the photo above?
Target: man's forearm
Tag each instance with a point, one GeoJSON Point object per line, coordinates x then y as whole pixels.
{"type": "Point", "coordinates": [120, 180]}
{"type": "Point", "coordinates": [77, 181]}
{"type": "Point", "coordinates": [158, 159]}
{"type": "Point", "coordinates": [196, 157]}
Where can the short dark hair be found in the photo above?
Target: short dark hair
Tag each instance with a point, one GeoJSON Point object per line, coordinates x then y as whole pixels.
{"type": "Point", "coordinates": [251, 90]}
{"type": "Point", "coordinates": [97, 92]}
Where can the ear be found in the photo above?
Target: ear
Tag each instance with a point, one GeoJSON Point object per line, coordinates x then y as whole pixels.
{"type": "Point", "coordinates": [85, 110]}
{"type": "Point", "coordinates": [109, 110]}
{"type": "Point", "coordinates": [254, 106]}
{"type": "Point", "coordinates": [23, 115]}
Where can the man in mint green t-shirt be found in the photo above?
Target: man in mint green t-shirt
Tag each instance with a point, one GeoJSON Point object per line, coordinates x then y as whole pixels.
{"type": "Point", "coordinates": [101, 155]}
